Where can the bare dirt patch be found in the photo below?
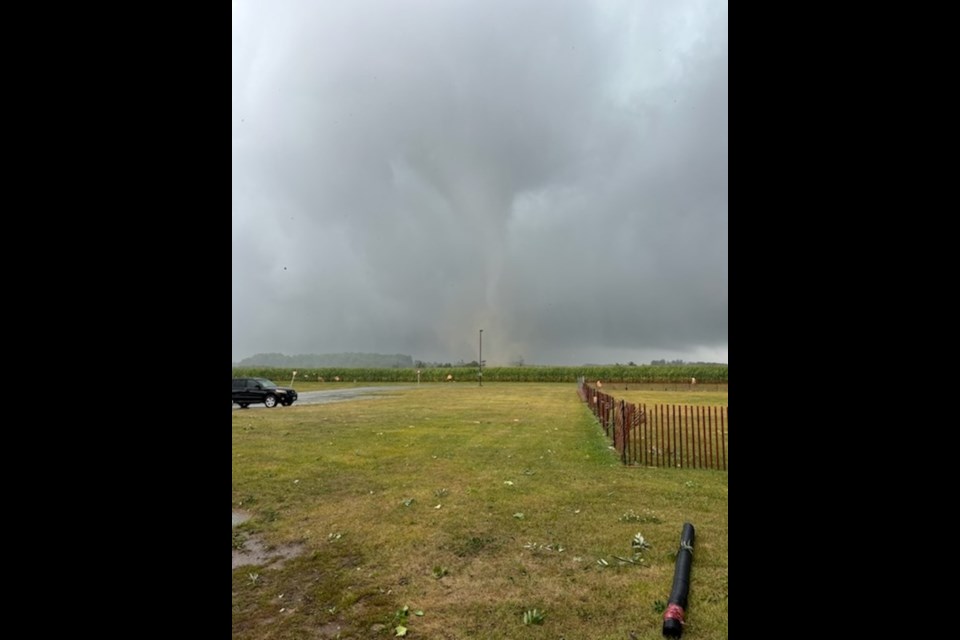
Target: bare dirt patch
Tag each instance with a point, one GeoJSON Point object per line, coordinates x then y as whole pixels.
{"type": "Point", "coordinates": [253, 551]}
{"type": "Point", "coordinates": [328, 631]}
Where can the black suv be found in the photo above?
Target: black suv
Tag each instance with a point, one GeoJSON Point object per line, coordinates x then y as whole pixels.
{"type": "Point", "coordinates": [247, 391]}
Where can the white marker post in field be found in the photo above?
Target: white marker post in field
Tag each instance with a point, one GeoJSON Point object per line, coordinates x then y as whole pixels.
{"type": "Point", "coordinates": [293, 378]}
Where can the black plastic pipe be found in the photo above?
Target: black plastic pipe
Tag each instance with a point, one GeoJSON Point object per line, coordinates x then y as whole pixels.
{"type": "Point", "coordinates": [677, 604]}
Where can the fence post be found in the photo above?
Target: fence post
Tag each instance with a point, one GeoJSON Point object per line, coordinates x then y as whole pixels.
{"type": "Point", "coordinates": [700, 430]}
{"type": "Point", "coordinates": [673, 433]}
{"type": "Point", "coordinates": [623, 431]}
{"type": "Point", "coordinates": [723, 444]}
{"type": "Point", "coordinates": [713, 430]}
{"type": "Point", "coordinates": [680, 422]}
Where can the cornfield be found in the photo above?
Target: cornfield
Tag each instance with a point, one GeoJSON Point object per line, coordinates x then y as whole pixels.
{"type": "Point", "coordinates": [642, 374]}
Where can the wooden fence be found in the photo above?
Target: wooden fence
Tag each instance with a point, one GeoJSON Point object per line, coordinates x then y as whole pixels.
{"type": "Point", "coordinates": [684, 436]}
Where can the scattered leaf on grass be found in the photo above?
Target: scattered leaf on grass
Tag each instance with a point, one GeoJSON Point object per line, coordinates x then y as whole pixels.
{"type": "Point", "coordinates": [533, 617]}
{"type": "Point", "coordinates": [639, 542]}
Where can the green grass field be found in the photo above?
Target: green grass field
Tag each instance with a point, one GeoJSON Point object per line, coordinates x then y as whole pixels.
{"type": "Point", "coordinates": [471, 505]}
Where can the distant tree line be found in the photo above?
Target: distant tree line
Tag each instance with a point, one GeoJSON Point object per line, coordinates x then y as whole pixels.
{"type": "Point", "coordinates": [420, 364]}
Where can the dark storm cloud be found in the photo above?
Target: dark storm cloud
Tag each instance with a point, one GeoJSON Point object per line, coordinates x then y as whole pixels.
{"type": "Point", "coordinates": [406, 173]}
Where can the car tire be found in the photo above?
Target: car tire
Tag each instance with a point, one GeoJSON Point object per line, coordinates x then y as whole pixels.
{"type": "Point", "coordinates": [244, 405]}
{"type": "Point", "coordinates": [270, 401]}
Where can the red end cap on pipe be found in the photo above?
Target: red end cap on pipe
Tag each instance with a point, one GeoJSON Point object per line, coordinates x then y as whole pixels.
{"type": "Point", "coordinates": [673, 621]}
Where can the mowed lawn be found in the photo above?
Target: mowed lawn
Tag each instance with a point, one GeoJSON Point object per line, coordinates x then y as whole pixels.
{"type": "Point", "coordinates": [471, 505]}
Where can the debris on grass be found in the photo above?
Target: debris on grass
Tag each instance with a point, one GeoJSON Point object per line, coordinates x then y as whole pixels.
{"type": "Point", "coordinates": [639, 542]}
{"type": "Point", "coordinates": [533, 616]}
{"type": "Point", "coordinates": [647, 517]}
{"type": "Point", "coordinates": [535, 546]}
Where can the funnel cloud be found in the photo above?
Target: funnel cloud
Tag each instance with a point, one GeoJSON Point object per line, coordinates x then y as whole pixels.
{"type": "Point", "coordinates": [552, 172]}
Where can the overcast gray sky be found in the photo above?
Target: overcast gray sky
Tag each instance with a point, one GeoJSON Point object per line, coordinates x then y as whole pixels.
{"type": "Point", "coordinates": [408, 172]}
